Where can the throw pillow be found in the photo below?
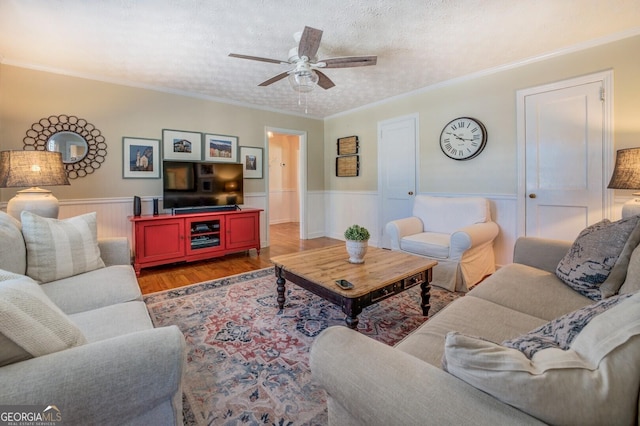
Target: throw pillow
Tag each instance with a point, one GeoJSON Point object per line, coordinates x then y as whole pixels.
{"type": "Point", "coordinates": [58, 249]}
{"type": "Point", "coordinates": [560, 332]}
{"type": "Point", "coordinates": [8, 275]}
{"type": "Point", "coordinates": [13, 253]}
{"type": "Point", "coordinates": [618, 274]}
{"type": "Point", "coordinates": [632, 281]}
{"type": "Point", "coordinates": [31, 324]}
{"type": "Point", "coordinates": [596, 381]}
{"type": "Point", "coordinates": [593, 255]}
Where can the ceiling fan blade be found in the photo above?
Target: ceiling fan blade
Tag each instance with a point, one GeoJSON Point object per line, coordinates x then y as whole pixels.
{"type": "Point", "coordinates": [350, 61]}
{"type": "Point", "coordinates": [257, 58]}
{"type": "Point", "coordinates": [309, 42]}
{"type": "Point", "coordinates": [274, 79]}
{"type": "Point", "coordinates": [324, 81]}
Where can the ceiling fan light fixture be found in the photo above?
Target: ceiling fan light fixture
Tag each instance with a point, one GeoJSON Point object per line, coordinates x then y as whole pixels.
{"type": "Point", "coordinates": [303, 81]}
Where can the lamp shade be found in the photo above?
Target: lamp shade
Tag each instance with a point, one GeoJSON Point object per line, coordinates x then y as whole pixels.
{"type": "Point", "coordinates": [626, 174]}
{"type": "Point", "coordinates": [31, 168]}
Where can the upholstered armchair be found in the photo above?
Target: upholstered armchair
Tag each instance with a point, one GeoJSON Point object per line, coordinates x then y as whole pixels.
{"type": "Point", "coordinates": [456, 232]}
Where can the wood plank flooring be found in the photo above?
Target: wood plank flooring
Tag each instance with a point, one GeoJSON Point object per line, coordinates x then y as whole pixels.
{"type": "Point", "coordinates": [284, 239]}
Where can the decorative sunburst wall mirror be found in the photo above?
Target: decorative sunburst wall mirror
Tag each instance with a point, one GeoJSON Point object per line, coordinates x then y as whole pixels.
{"type": "Point", "coordinates": [82, 146]}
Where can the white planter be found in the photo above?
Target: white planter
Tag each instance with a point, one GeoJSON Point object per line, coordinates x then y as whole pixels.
{"type": "Point", "coordinates": [356, 250]}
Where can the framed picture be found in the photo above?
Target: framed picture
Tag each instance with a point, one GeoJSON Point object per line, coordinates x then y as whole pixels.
{"type": "Point", "coordinates": [348, 166]}
{"type": "Point", "coordinates": [220, 148]}
{"type": "Point", "coordinates": [251, 159]}
{"type": "Point", "coordinates": [348, 145]}
{"type": "Point", "coordinates": [181, 145]}
{"type": "Point", "coordinates": [140, 158]}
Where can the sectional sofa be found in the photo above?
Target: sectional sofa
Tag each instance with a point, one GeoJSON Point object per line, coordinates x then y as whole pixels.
{"type": "Point", "coordinates": [552, 338]}
{"type": "Point", "coordinates": [74, 332]}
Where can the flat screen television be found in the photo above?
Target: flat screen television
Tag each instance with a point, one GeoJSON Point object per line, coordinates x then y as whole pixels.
{"type": "Point", "coordinates": [201, 186]}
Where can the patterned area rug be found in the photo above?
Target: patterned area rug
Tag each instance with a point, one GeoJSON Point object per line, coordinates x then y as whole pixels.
{"type": "Point", "coordinates": [248, 362]}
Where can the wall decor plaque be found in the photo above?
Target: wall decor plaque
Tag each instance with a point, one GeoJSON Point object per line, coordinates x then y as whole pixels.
{"type": "Point", "coordinates": [347, 166]}
{"type": "Point", "coordinates": [348, 145]}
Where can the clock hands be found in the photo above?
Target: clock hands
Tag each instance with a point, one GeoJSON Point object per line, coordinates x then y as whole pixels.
{"type": "Point", "coordinates": [459, 138]}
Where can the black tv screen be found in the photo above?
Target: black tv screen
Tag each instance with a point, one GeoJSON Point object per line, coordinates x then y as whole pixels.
{"type": "Point", "coordinates": [189, 184]}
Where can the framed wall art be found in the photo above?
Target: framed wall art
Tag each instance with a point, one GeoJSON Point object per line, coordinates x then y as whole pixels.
{"type": "Point", "coordinates": [181, 145]}
{"type": "Point", "coordinates": [347, 166]}
{"type": "Point", "coordinates": [140, 158]}
{"type": "Point", "coordinates": [251, 159]}
{"type": "Point", "coordinates": [348, 145]}
{"type": "Point", "coordinates": [220, 148]}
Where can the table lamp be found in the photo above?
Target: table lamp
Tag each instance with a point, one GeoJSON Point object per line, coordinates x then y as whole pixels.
{"type": "Point", "coordinates": [626, 175]}
{"type": "Point", "coordinates": [32, 169]}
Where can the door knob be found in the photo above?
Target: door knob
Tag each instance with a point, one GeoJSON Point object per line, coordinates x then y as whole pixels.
{"type": "Point", "coordinates": [532, 195]}
{"type": "Point", "coordinates": [410, 192]}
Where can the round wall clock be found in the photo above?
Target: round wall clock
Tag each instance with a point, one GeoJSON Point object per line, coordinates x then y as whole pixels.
{"type": "Point", "coordinates": [463, 138]}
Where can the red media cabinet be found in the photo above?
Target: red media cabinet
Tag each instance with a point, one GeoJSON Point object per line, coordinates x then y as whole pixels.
{"type": "Point", "coordinates": [166, 238]}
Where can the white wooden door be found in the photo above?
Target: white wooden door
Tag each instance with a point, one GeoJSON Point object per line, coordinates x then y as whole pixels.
{"type": "Point", "coordinates": [564, 160]}
{"type": "Point", "coordinates": [397, 157]}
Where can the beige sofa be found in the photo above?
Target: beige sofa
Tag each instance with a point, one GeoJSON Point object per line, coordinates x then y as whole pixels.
{"type": "Point", "coordinates": [369, 383]}
{"type": "Point", "coordinates": [83, 343]}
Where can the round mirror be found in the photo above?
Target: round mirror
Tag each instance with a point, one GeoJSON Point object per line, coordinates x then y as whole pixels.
{"type": "Point", "coordinates": [71, 145]}
{"type": "Point", "coordinates": [82, 146]}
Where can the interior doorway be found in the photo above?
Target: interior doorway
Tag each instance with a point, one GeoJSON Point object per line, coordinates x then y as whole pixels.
{"type": "Point", "coordinates": [286, 178]}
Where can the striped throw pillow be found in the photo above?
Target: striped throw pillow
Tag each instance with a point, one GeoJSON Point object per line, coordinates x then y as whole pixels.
{"type": "Point", "coordinates": [58, 249]}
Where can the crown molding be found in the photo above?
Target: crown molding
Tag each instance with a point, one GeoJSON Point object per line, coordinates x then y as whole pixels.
{"type": "Point", "coordinates": [527, 61]}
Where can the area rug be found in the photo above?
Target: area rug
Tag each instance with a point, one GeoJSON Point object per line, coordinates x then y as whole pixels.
{"type": "Point", "coordinates": [248, 361]}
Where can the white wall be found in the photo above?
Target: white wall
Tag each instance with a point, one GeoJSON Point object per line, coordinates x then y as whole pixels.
{"type": "Point", "coordinates": [490, 97]}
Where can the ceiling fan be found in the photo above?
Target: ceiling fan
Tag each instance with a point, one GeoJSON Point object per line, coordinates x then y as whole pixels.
{"type": "Point", "coordinates": [305, 75]}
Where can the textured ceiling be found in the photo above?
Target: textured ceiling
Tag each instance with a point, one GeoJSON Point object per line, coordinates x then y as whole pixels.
{"type": "Point", "coordinates": [183, 45]}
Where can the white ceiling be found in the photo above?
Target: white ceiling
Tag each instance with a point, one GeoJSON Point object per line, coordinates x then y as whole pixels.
{"type": "Point", "coordinates": [182, 46]}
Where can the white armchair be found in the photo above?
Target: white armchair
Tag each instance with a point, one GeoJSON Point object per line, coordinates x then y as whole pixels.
{"type": "Point", "coordinates": [457, 232]}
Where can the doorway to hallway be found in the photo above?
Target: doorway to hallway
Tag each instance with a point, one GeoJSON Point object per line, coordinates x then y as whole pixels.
{"type": "Point", "coordinates": [286, 178]}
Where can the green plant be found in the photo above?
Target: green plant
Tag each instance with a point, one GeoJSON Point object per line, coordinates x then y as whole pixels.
{"type": "Point", "coordinates": [356, 233]}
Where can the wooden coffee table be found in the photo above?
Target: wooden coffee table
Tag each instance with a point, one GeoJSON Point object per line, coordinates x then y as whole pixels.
{"type": "Point", "coordinates": [383, 274]}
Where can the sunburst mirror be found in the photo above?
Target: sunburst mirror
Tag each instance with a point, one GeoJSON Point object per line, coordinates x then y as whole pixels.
{"type": "Point", "coordinates": [82, 146]}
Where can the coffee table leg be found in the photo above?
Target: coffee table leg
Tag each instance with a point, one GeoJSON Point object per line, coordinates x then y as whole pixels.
{"type": "Point", "coordinates": [352, 311]}
{"type": "Point", "coordinates": [352, 322]}
{"type": "Point", "coordinates": [280, 288]}
{"type": "Point", "coordinates": [425, 288]}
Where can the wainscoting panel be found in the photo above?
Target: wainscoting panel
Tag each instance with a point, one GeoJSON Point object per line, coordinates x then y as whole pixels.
{"type": "Point", "coordinates": [316, 214]}
{"type": "Point", "coordinates": [329, 213]}
{"type": "Point", "coordinates": [283, 206]}
{"type": "Point", "coordinates": [345, 208]}
{"type": "Point", "coordinates": [112, 213]}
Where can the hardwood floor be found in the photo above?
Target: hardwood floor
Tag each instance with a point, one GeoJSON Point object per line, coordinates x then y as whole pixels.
{"type": "Point", "coordinates": [284, 239]}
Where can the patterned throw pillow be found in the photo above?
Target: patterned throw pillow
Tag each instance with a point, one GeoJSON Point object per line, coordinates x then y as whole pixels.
{"type": "Point", "coordinates": [58, 249]}
{"type": "Point", "coordinates": [593, 255]}
{"type": "Point", "coordinates": [560, 332]}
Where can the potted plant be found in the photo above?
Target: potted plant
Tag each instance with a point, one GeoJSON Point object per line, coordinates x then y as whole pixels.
{"type": "Point", "coordinates": [357, 242]}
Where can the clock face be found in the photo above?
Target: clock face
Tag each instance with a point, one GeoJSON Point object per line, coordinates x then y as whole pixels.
{"type": "Point", "coordinates": [463, 138]}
